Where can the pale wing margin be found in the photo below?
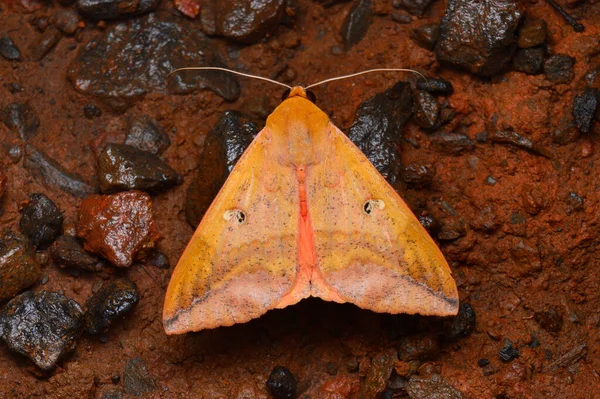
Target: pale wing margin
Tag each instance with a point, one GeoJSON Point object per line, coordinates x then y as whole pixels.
{"type": "Point", "coordinates": [382, 260]}
{"type": "Point", "coordinates": [243, 256]}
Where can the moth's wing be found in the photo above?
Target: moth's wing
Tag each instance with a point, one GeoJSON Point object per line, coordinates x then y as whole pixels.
{"type": "Point", "coordinates": [383, 261]}
{"type": "Point", "coordinates": [242, 258]}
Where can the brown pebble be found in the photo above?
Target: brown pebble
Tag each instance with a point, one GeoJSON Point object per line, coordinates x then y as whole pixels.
{"type": "Point", "coordinates": [587, 148]}
{"type": "Point", "coordinates": [118, 226]}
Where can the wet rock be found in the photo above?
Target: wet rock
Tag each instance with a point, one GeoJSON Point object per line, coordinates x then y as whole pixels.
{"type": "Point", "coordinates": [418, 347]}
{"type": "Point", "coordinates": [41, 220]}
{"type": "Point", "coordinates": [549, 319]}
{"type": "Point", "coordinates": [378, 374]}
{"type": "Point", "coordinates": [111, 9]}
{"type": "Point", "coordinates": [452, 143]}
{"type": "Point", "coordinates": [478, 36]}
{"type": "Point", "coordinates": [223, 146]}
{"type": "Point", "coordinates": [282, 383]}
{"type": "Point", "coordinates": [112, 301]}
{"type": "Point", "coordinates": [584, 108]}
{"type": "Point", "coordinates": [67, 21]}
{"type": "Point", "coordinates": [122, 167]}
{"type": "Point", "coordinates": [47, 171]}
{"type": "Point", "coordinates": [151, 47]}
{"type": "Point", "coordinates": [67, 251]}
{"type": "Point", "coordinates": [377, 128]}
{"type": "Point", "coordinates": [19, 268]}
{"type": "Point", "coordinates": [46, 42]}
{"type": "Point", "coordinates": [426, 36]}
{"type": "Point", "coordinates": [245, 21]}
{"type": "Point", "coordinates": [462, 325]}
{"type": "Point", "coordinates": [514, 138]}
{"type": "Point", "coordinates": [8, 49]}
{"type": "Point", "coordinates": [22, 119]}
{"type": "Point", "coordinates": [574, 203]}
{"type": "Point", "coordinates": [433, 388]}
{"type": "Point", "coordinates": [418, 174]}
{"type": "Point", "coordinates": [508, 352]}
{"type": "Point", "coordinates": [426, 109]}
{"type": "Point", "coordinates": [136, 379]}
{"type": "Point", "coordinates": [357, 23]}
{"type": "Point", "coordinates": [145, 134]}
{"type": "Point", "coordinates": [117, 226]}
{"type": "Point", "coordinates": [532, 33]}
{"type": "Point", "coordinates": [158, 259]}
{"type": "Point", "coordinates": [415, 7]}
{"type": "Point", "coordinates": [91, 111]}
{"type": "Point", "coordinates": [559, 68]}
{"type": "Point", "coordinates": [529, 60]}
{"type": "Point", "coordinates": [435, 86]}
{"type": "Point", "coordinates": [189, 8]}
{"type": "Point", "coordinates": [44, 326]}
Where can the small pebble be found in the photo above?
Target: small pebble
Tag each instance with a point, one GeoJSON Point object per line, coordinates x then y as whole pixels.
{"type": "Point", "coordinates": [22, 119]}
{"type": "Point", "coordinates": [46, 42]}
{"type": "Point", "coordinates": [357, 23]}
{"type": "Point", "coordinates": [19, 268]}
{"type": "Point", "coordinates": [67, 251]}
{"type": "Point", "coordinates": [282, 383]}
{"type": "Point", "coordinates": [418, 174]}
{"type": "Point", "coordinates": [483, 362]}
{"type": "Point", "coordinates": [452, 143]}
{"type": "Point", "coordinates": [529, 60]}
{"type": "Point", "coordinates": [435, 86]}
{"type": "Point", "coordinates": [509, 352]}
{"type": "Point", "coordinates": [41, 221]}
{"type": "Point", "coordinates": [401, 18]}
{"type": "Point", "coordinates": [145, 134]}
{"type": "Point", "coordinates": [91, 111]}
{"type": "Point", "coordinates": [158, 259]}
{"type": "Point", "coordinates": [67, 21]}
{"type": "Point", "coordinates": [426, 36]}
{"type": "Point", "coordinates": [426, 109]}
{"type": "Point", "coordinates": [112, 301]}
{"type": "Point", "coordinates": [532, 33]}
{"type": "Point", "coordinates": [585, 106]}
{"type": "Point", "coordinates": [378, 373]}
{"type": "Point", "coordinates": [44, 326]}
{"type": "Point", "coordinates": [490, 180]}
{"type": "Point", "coordinates": [419, 347]}
{"type": "Point", "coordinates": [462, 325]}
{"type": "Point", "coordinates": [137, 381]}
{"type": "Point", "coordinates": [112, 9]}
{"type": "Point", "coordinates": [8, 49]}
{"type": "Point", "coordinates": [574, 203]}
{"type": "Point", "coordinates": [559, 68]}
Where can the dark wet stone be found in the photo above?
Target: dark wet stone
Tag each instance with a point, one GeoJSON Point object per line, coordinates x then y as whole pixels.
{"type": "Point", "coordinates": [431, 224]}
{"type": "Point", "coordinates": [418, 174]}
{"type": "Point", "coordinates": [483, 362]}
{"type": "Point", "coordinates": [45, 42]}
{"type": "Point", "coordinates": [112, 301]}
{"type": "Point", "coordinates": [41, 220]}
{"type": "Point", "coordinates": [223, 146]}
{"type": "Point", "coordinates": [158, 259]}
{"type": "Point", "coordinates": [282, 383]}
{"type": "Point", "coordinates": [426, 109]}
{"type": "Point", "coordinates": [22, 119]}
{"type": "Point", "coordinates": [151, 47]}
{"type": "Point", "coordinates": [566, 133]}
{"type": "Point", "coordinates": [461, 325]}
{"type": "Point", "coordinates": [67, 21]}
{"type": "Point", "coordinates": [433, 388]}
{"type": "Point", "coordinates": [47, 171]}
{"type": "Point", "coordinates": [245, 21]}
{"type": "Point", "coordinates": [122, 167]}
{"type": "Point", "coordinates": [584, 108]}
{"type": "Point", "coordinates": [574, 203]}
{"type": "Point", "coordinates": [44, 326]}
{"type": "Point", "coordinates": [136, 378]}
{"type": "Point", "coordinates": [378, 374]}
{"type": "Point", "coordinates": [357, 23]}
{"type": "Point", "coordinates": [435, 86]}
{"type": "Point", "coordinates": [559, 68]}
{"type": "Point", "coordinates": [532, 33]}
{"type": "Point", "coordinates": [514, 138]}
{"type": "Point", "coordinates": [147, 135]}
{"type": "Point", "coordinates": [111, 9]}
{"type": "Point", "coordinates": [478, 36]}
{"type": "Point", "coordinates": [426, 36]}
{"type": "Point", "coordinates": [90, 111]}
{"type": "Point", "coordinates": [401, 18]}
{"type": "Point", "coordinates": [8, 49]}
{"type": "Point", "coordinates": [418, 347]}
{"type": "Point", "coordinates": [117, 226]}
{"type": "Point", "coordinates": [508, 352]}
{"type": "Point", "coordinates": [377, 128]}
{"type": "Point", "coordinates": [67, 251]}
{"type": "Point", "coordinates": [549, 319]}
{"type": "Point", "coordinates": [19, 268]}
{"type": "Point", "coordinates": [452, 143]}
{"type": "Point", "coordinates": [529, 60]}
{"type": "Point", "coordinates": [415, 7]}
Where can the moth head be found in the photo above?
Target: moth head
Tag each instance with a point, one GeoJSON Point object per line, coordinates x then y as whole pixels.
{"type": "Point", "coordinates": [299, 91]}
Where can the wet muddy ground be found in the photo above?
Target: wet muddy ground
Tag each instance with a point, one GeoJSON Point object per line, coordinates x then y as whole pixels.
{"type": "Point", "coordinates": [502, 171]}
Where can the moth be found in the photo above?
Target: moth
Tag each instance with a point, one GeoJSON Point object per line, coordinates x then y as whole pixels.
{"type": "Point", "coordinates": [304, 213]}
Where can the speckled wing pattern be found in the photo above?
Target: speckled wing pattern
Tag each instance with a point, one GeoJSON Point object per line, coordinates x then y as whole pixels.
{"type": "Point", "coordinates": [383, 259]}
{"type": "Point", "coordinates": [238, 265]}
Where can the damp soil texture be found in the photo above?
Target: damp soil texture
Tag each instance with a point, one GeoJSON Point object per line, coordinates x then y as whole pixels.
{"type": "Point", "coordinates": [495, 152]}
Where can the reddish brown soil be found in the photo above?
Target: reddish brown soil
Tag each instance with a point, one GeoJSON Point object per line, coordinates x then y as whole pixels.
{"type": "Point", "coordinates": [504, 288]}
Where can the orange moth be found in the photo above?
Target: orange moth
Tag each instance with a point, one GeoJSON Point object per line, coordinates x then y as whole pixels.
{"type": "Point", "coordinates": [304, 213]}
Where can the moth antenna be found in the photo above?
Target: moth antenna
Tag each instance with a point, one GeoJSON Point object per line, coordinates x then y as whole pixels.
{"type": "Point", "coordinates": [365, 72]}
{"type": "Point", "coordinates": [230, 71]}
